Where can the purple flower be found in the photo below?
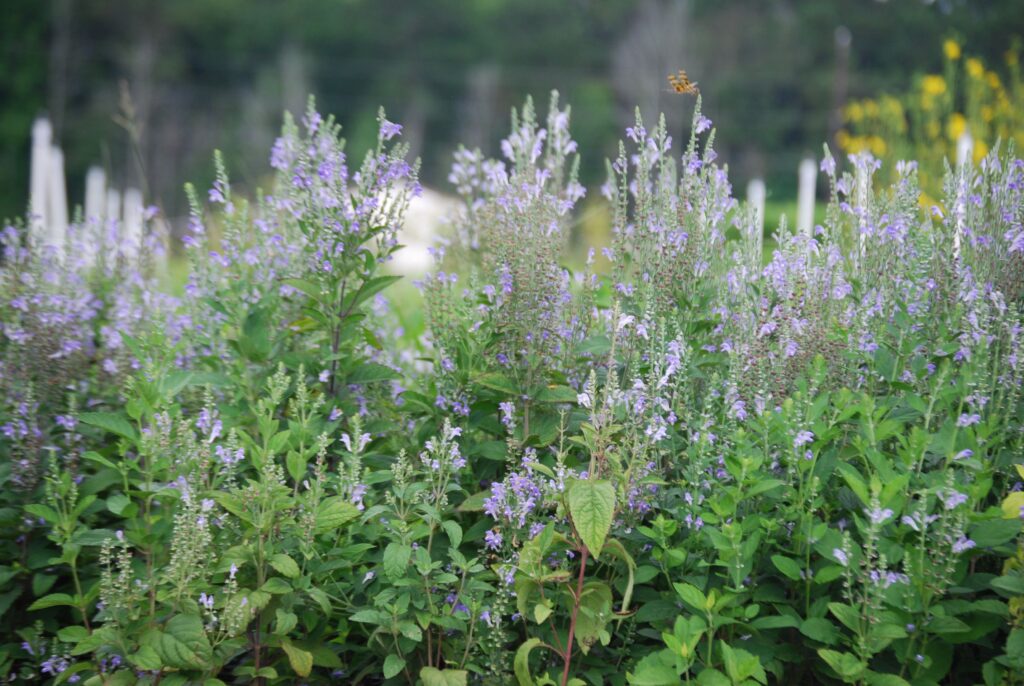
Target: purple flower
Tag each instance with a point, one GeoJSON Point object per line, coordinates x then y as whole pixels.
{"type": "Point", "coordinates": [968, 419]}
{"type": "Point", "coordinates": [963, 544]}
{"type": "Point", "coordinates": [840, 556]}
{"type": "Point", "coordinates": [389, 130]}
{"type": "Point", "coordinates": [878, 515]}
{"type": "Point", "coordinates": [803, 438]}
{"type": "Point", "coordinates": [492, 540]}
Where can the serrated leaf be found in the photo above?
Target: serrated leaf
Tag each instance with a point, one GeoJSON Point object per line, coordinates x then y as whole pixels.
{"type": "Point", "coordinates": [285, 565]}
{"type": "Point", "coordinates": [110, 421]}
{"type": "Point", "coordinates": [183, 644]}
{"type": "Point", "coordinates": [277, 586]}
{"type": "Point", "coordinates": [393, 665]}
{"type": "Point", "coordinates": [370, 372]}
{"type": "Point", "coordinates": [432, 676]}
{"type": "Point", "coordinates": [656, 669]}
{"type": "Point", "coordinates": [300, 660]}
{"type": "Point", "coordinates": [592, 508]}
{"type": "Point", "coordinates": [333, 513]}
{"type": "Point", "coordinates": [396, 559]}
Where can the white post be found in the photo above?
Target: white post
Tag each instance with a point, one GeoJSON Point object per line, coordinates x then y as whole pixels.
{"type": "Point", "coordinates": [862, 187]}
{"type": "Point", "coordinates": [964, 149]}
{"type": "Point", "coordinates": [964, 159]}
{"type": "Point", "coordinates": [57, 202]}
{"type": "Point", "coordinates": [42, 136]}
{"type": "Point", "coordinates": [131, 237]}
{"type": "Point", "coordinates": [112, 216]}
{"type": "Point", "coordinates": [95, 194]}
{"type": "Point", "coordinates": [755, 200]}
{"type": "Point", "coordinates": [808, 175]}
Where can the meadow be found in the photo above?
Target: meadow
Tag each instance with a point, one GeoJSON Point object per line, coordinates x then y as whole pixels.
{"type": "Point", "coordinates": [700, 457]}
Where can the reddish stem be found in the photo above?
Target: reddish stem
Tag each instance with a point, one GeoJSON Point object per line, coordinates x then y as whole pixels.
{"type": "Point", "coordinates": [575, 613]}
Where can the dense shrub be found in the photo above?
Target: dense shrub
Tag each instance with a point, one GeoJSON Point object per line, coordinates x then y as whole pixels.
{"type": "Point", "coordinates": [686, 462]}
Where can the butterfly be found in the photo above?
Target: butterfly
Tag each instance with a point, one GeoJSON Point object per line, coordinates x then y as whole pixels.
{"type": "Point", "coordinates": [681, 83]}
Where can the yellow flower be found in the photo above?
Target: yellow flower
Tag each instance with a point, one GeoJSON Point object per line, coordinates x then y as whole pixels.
{"type": "Point", "coordinates": [933, 84]}
{"type": "Point", "coordinates": [854, 112]}
{"type": "Point", "coordinates": [933, 129]}
{"type": "Point", "coordinates": [843, 139]}
{"type": "Point", "coordinates": [956, 126]}
{"type": "Point", "coordinates": [877, 145]}
{"type": "Point", "coordinates": [987, 113]}
{"type": "Point", "coordinates": [980, 150]}
{"type": "Point", "coordinates": [975, 68]}
{"type": "Point", "coordinates": [993, 81]}
{"type": "Point", "coordinates": [870, 108]}
{"type": "Point", "coordinates": [952, 49]}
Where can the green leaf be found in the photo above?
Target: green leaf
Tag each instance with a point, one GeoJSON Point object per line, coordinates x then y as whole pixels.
{"type": "Point", "coordinates": [286, 621]}
{"type": "Point", "coordinates": [52, 600]}
{"type": "Point", "coordinates": [592, 508]}
{"type": "Point", "coordinates": [277, 586]}
{"type": "Point", "coordinates": [712, 677]}
{"type": "Point", "coordinates": [333, 513]}
{"type": "Point", "coordinates": [557, 394]}
{"type": "Point", "coordinates": [110, 421]}
{"type": "Point", "coordinates": [72, 634]}
{"type": "Point", "coordinates": [432, 676]}
{"type": "Point", "coordinates": [285, 565]}
{"type": "Point", "coordinates": [146, 658]}
{"type": "Point", "coordinates": [655, 669]}
{"type": "Point", "coordinates": [692, 596]}
{"type": "Point", "coordinates": [183, 644]}
{"type": "Point", "coordinates": [787, 566]}
{"type": "Point", "coordinates": [877, 679]}
{"type": "Point", "coordinates": [300, 660]}
{"type": "Point", "coordinates": [393, 665]}
{"type": "Point", "coordinates": [370, 372]}
{"type": "Point", "coordinates": [847, 666]}
{"type": "Point", "coordinates": [541, 612]}
{"type": "Point", "coordinates": [846, 614]}
{"type": "Point", "coordinates": [454, 532]}
{"type": "Point", "coordinates": [821, 630]}
{"type": "Point", "coordinates": [521, 665]}
{"type": "Point", "coordinates": [497, 382]}
{"type": "Point", "coordinates": [396, 559]}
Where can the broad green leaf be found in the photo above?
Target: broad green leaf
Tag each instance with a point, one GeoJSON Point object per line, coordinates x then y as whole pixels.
{"type": "Point", "coordinates": [521, 664]}
{"type": "Point", "coordinates": [787, 566]}
{"type": "Point", "coordinates": [277, 586]}
{"type": "Point", "coordinates": [286, 621]}
{"type": "Point", "coordinates": [847, 666]}
{"type": "Point", "coordinates": [333, 513]}
{"type": "Point", "coordinates": [497, 382]}
{"type": "Point", "coordinates": [393, 665]}
{"type": "Point", "coordinates": [370, 372]}
{"type": "Point", "coordinates": [432, 676]}
{"type": "Point", "coordinates": [300, 660]}
{"type": "Point", "coordinates": [52, 600]}
{"type": "Point", "coordinates": [396, 559]}
{"type": "Point", "coordinates": [146, 658]}
{"type": "Point", "coordinates": [285, 565]}
{"type": "Point", "coordinates": [656, 669]}
{"type": "Point", "coordinates": [821, 630]}
{"type": "Point", "coordinates": [592, 508]}
{"type": "Point", "coordinates": [110, 421]}
{"type": "Point", "coordinates": [454, 532]}
{"type": "Point", "coordinates": [183, 644]}
{"type": "Point", "coordinates": [692, 596]}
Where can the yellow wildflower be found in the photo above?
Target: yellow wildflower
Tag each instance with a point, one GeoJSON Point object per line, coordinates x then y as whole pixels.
{"type": "Point", "coordinates": [993, 81]}
{"type": "Point", "coordinates": [952, 49]}
{"type": "Point", "coordinates": [956, 126]}
{"type": "Point", "coordinates": [870, 108]}
{"type": "Point", "coordinates": [877, 146]}
{"type": "Point", "coordinates": [987, 113]}
{"type": "Point", "coordinates": [854, 112]}
{"type": "Point", "coordinates": [975, 68]}
{"type": "Point", "coordinates": [933, 84]}
{"type": "Point", "coordinates": [980, 150]}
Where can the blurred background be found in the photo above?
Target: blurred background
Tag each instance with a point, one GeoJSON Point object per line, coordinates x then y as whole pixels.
{"type": "Point", "coordinates": [148, 88]}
